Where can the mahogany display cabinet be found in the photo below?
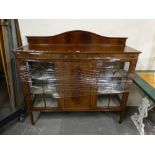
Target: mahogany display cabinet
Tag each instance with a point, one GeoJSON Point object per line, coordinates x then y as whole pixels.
{"type": "Point", "coordinates": [76, 71]}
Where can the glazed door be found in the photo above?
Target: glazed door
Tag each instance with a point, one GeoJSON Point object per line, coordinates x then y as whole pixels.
{"type": "Point", "coordinates": [76, 89]}
{"type": "Point", "coordinates": [40, 87]}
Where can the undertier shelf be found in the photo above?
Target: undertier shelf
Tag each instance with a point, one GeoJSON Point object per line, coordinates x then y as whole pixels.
{"type": "Point", "coordinates": [108, 101]}
{"type": "Point", "coordinates": [45, 102]}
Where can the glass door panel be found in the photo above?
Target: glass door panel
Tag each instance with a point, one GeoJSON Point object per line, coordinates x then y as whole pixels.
{"type": "Point", "coordinates": [41, 76]}
{"type": "Point", "coordinates": [112, 80]}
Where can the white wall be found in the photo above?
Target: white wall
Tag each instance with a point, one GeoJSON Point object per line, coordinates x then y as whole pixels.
{"type": "Point", "coordinates": [140, 33]}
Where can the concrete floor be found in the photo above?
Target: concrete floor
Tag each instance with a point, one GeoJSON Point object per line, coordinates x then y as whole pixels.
{"type": "Point", "coordinates": [94, 123]}
{"type": "Point", "coordinates": [86, 123]}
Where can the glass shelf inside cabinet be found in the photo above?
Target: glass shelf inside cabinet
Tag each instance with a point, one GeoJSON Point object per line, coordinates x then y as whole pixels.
{"type": "Point", "coordinates": [42, 82]}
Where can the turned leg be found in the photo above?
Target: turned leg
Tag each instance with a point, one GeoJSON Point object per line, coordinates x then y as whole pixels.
{"type": "Point", "coordinates": [123, 106]}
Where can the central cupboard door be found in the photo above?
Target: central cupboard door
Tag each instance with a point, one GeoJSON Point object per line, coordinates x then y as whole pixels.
{"type": "Point", "coordinates": [76, 87]}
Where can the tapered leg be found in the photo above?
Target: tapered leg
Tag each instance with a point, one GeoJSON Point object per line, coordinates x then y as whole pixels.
{"type": "Point", "coordinates": [123, 105]}
{"type": "Point", "coordinates": [121, 116]}
{"type": "Point", "coordinates": [31, 118]}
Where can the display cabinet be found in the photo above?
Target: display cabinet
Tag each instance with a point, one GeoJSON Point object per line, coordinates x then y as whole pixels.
{"type": "Point", "coordinates": [76, 71]}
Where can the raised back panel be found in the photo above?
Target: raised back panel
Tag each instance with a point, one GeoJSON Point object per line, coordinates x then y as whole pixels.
{"type": "Point", "coordinates": [76, 37]}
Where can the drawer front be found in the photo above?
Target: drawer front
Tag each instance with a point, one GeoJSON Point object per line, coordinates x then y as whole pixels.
{"type": "Point", "coordinates": [76, 89]}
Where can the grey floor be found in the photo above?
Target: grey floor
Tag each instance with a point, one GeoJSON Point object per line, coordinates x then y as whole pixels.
{"type": "Point", "coordinates": [73, 124]}
{"type": "Point", "coordinates": [86, 123]}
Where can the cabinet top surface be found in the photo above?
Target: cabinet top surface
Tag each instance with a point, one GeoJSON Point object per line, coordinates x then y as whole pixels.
{"type": "Point", "coordinates": [75, 48]}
